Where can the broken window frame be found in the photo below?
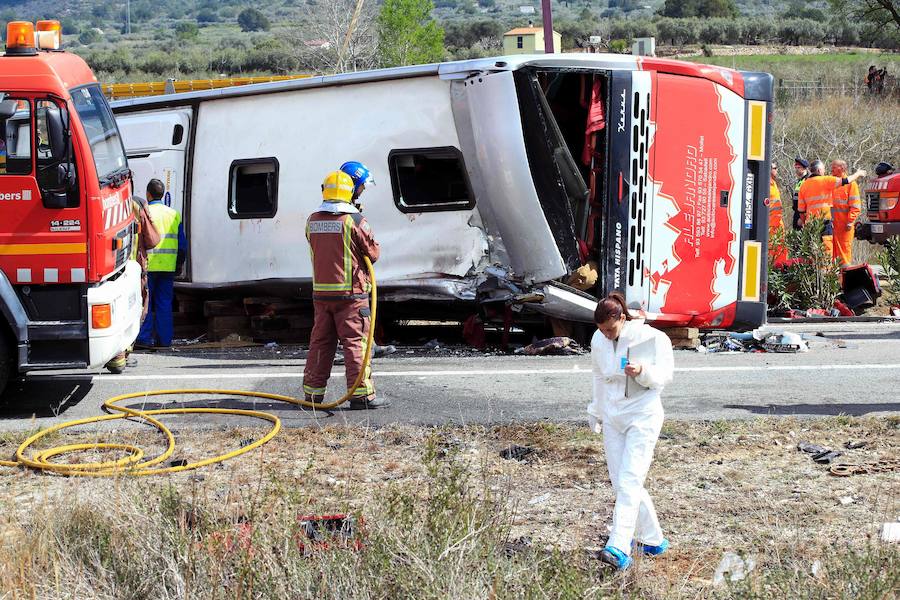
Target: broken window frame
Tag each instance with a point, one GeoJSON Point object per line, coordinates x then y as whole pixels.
{"type": "Point", "coordinates": [443, 152]}
{"type": "Point", "coordinates": [272, 187]}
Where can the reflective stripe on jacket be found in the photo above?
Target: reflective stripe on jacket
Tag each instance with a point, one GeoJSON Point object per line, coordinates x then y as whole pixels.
{"type": "Point", "coordinates": [164, 257]}
{"type": "Point", "coordinates": [847, 203]}
{"type": "Point", "coordinates": [815, 197]}
{"type": "Point", "coordinates": [338, 242]}
{"type": "Point", "coordinates": [776, 211]}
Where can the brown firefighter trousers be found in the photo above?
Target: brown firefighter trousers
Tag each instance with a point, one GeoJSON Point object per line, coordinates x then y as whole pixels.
{"type": "Point", "coordinates": [347, 321]}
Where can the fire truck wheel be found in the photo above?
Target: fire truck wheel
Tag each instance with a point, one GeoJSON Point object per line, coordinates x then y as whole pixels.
{"type": "Point", "coordinates": [7, 361]}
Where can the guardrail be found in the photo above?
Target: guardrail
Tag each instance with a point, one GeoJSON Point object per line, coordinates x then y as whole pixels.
{"type": "Point", "coordinates": [119, 91]}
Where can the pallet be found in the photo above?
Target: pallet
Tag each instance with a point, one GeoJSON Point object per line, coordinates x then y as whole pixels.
{"type": "Point", "coordinates": [687, 333]}
{"type": "Point", "coordinates": [686, 343]}
{"type": "Point", "coordinates": [275, 306]}
{"type": "Point", "coordinates": [218, 328]}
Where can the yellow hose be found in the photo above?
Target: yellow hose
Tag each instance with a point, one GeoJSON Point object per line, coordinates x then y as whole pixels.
{"type": "Point", "coordinates": [133, 463]}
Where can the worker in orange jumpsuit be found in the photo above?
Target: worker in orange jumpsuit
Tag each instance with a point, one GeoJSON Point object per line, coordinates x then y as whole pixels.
{"type": "Point", "coordinates": [846, 209]}
{"type": "Point", "coordinates": [339, 237]}
{"type": "Point", "coordinates": [777, 247]}
{"type": "Point", "coordinates": [816, 198]}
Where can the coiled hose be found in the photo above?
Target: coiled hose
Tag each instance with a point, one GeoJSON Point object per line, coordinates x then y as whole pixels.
{"type": "Point", "coordinates": [133, 463]}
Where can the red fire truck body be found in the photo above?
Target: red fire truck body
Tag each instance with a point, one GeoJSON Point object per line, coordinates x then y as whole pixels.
{"type": "Point", "coordinates": [883, 208]}
{"type": "Point", "coordinates": [69, 291]}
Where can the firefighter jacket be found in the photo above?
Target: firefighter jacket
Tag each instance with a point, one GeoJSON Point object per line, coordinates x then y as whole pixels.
{"type": "Point", "coordinates": [776, 211]}
{"type": "Point", "coordinates": [816, 196]}
{"type": "Point", "coordinates": [166, 256]}
{"type": "Point", "coordinates": [847, 204]}
{"type": "Point", "coordinates": [339, 237]}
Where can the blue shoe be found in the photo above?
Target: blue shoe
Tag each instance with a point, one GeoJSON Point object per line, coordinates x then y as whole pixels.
{"type": "Point", "coordinates": [653, 550]}
{"type": "Point", "coordinates": [616, 558]}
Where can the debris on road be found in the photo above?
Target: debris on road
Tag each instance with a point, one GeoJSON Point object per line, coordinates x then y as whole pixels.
{"type": "Point", "coordinates": [855, 445]}
{"type": "Point", "coordinates": [884, 465]}
{"type": "Point", "coordinates": [432, 346]}
{"type": "Point", "coordinates": [755, 341]}
{"type": "Point", "coordinates": [555, 346]}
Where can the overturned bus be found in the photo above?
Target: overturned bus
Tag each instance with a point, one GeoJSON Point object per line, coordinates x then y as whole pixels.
{"type": "Point", "coordinates": [496, 180]}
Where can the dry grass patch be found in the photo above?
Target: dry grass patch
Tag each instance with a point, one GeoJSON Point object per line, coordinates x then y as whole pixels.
{"type": "Point", "coordinates": [446, 517]}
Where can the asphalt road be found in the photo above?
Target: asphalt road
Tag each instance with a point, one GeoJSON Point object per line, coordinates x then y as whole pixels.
{"type": "Point", "coordinates": [854, 369]}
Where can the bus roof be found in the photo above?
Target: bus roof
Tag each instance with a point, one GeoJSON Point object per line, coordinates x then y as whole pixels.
{"type": "Point", "coordinates": [451, 70]}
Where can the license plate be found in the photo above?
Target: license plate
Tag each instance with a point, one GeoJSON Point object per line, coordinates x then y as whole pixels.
{"type": "Point", "coordinates": [877, 228]}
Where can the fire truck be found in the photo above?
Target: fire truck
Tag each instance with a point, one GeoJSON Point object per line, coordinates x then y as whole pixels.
{"type": "Point", "coordinates": [883, 208]}
{"type": "Point", "coordinates": [70, 294]}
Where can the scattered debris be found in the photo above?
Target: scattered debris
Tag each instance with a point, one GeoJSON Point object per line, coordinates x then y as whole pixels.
{"type": "Point", "coordinates": [884, 465]}
{"type": "Point", "coordinates": [324, 531]}
{"type": "Point", "coordinates": [825, 458]}
{"type": "Point", "coordinates": [733, 568]}
{"type": "Point", "coordinates": [811, 448]}
{"type": "Point", "coordinates": [539, 499]}
{"type": "Point", "coordinates": [890, 532]}
{"type": "Point", "coordinates": [816, 568]}
{"type": "Point", "coordinates": [272, 345]}
{"type": "Point", "coordinates": [552, 346]}
{"type": "Point", "coordinates": [432, 346]}
{"type": "Point", "coordinates": [518, 546]}
{"type": "Point", "coordinates": [755, 341]}
{"type": "Point", "coordinates": [516, 452]}
{"type": "Point", "coordinates": [851, 445]}
{"type": "Point", "coordinates": [379, 351]}
{"type": "Point", "coordinates": [846, 500]}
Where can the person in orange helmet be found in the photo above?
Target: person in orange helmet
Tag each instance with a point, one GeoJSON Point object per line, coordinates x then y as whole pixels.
{"type": "Point", "coordinates": [816, 198]}
{"type": "Point", "coordinates": [846, 209]}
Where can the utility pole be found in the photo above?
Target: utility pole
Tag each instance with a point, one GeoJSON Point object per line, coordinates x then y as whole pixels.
{"type": "Point", "coordinates": [128, 17]}
{"type": "Point", "coordinates": [548, 26]}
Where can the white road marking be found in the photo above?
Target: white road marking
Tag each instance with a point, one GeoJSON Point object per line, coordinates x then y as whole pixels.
{"type": "Point", "coordinates": [104, 378]}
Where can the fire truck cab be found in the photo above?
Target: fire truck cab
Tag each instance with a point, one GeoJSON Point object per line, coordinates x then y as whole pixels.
{"type": "Point", "coordinates": [883, 209]}
{"type": "Point", "coordinates": [70, 293]}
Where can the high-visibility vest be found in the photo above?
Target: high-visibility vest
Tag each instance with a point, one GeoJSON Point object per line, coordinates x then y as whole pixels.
{"type": "Point", "coordinates": [776, 212]}
{"type": "Point", "coordinates": [816, 195]}
{"type": "Point", "coordinates": [165, 256]}
{"type": "Point", "coordinates": [847, 203]}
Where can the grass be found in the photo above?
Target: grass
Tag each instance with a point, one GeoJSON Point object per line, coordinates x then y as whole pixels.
{"type": "Point", "coordinates": [444, 517]}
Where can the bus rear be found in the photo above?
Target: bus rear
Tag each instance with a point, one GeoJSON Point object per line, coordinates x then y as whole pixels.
{"type": "Point", "coordinates": [687, 222]}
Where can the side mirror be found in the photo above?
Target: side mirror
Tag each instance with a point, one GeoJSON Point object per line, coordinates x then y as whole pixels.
{"type": "Point", "coordinates": [56, 132]}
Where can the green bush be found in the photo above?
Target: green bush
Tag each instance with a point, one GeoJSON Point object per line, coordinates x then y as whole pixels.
{"type": "Point", "coordinates": [187, 30]}
{"type": "Point", "coordinates": [251, 19]}
{"type": "Point", "coordinates": [89, 36]}
{"type": "Point", "coordinates": [811, 281]}
{"type": "Point", "coordinates": [889, 259]}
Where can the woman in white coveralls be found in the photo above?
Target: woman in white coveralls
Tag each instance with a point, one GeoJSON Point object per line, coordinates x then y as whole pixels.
{"type": "Point", "coordinates": [630, 425]}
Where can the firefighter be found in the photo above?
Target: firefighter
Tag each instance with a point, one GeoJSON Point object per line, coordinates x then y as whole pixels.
{"type": "Point", "coordinates": [815, 199]}
{"type": "Point", "coordinates": [163, 262]}
{"type": "Point", "coordinates": [145, 237]}
{"type": "Point", "coordinates": [339, 237]}
{"type": "Point", "coordinates": [801, 168]}
{"type": "Point", "coordinates": [846, 209]}
{"type": "Point", "coordinates": [777, 249]}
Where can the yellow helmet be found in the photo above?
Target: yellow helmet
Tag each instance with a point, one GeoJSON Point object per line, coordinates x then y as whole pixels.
{"type": "Point", "coordinates": [337, 187]}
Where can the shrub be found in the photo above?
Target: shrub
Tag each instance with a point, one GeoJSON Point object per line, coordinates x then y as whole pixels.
{"type": "Point", "coordinates": [251, 19]}
{"type": "Point", "coordinates": [186, 30]}
{"type": "Point", "coordinates": [89, 36]}
{"type": "Point", "coordinates": [889, 258]}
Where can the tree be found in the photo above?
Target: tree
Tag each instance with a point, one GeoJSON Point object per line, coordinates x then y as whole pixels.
{"type": "Point", "coordinates": [251, 19]}
{"type": "Point", "coordinates": [89, 36]}
{"type": "Point", "coordinates": [186, 30]}
{"type": "Point", "coordinates": [680, 9]}
{"type": "Point", "coordinates": [322, 44]}
{"type": "Point", "coordinates": [207, 15]}
{"type": "Point", "coordinates": [407, 34]}
{"type": "Point", "coordinates": [880, 13]}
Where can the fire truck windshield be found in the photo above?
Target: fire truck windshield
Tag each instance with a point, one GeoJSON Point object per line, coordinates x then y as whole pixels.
{"type": "Point", "coordinates": [102, 132]}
